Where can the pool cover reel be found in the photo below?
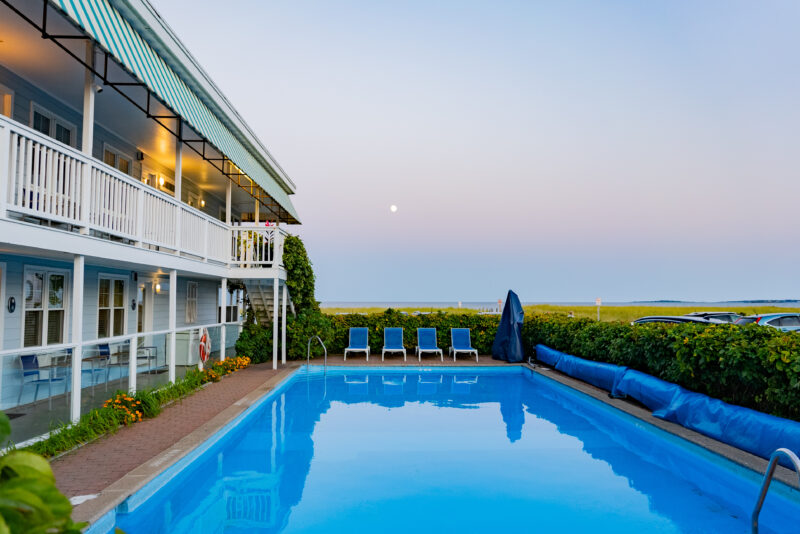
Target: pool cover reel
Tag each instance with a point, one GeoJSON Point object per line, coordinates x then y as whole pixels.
{"type": "Point", "coordinates": [746, 429]}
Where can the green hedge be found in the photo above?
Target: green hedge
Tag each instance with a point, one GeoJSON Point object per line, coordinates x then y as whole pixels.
{"type": "Point", "coordinates": [483, 329]}
{"type": "Point", "coordinates": [749, 365]}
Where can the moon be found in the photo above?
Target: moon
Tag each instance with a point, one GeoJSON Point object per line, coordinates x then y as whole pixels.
{"type": "Point", "coordinates": [393, 208]}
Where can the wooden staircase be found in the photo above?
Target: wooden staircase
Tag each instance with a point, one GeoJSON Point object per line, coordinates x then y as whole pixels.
{"type": "Point", "coordinates": [260, 294]}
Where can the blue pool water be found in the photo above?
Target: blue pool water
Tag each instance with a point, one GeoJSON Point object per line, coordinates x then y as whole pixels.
{"type": "Point", "coordinates": [464, 450]}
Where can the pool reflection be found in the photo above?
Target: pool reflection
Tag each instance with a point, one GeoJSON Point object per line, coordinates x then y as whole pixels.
{"type": "Point", "coordinates": [255, 477]}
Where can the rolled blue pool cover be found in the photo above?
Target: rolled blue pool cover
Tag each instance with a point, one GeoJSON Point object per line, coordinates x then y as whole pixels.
{"type": "Point", "coordinates": [653, 392]}
{"type": "Point", "coordinates": [750, 430]}
{"type": "Point", "coordinates": [547, 355]}
{"type": "Point", "coordinates": [602, 375]}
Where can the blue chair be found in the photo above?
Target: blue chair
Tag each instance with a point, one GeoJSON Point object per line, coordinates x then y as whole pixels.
{"type": "Point", "coordinates": [101, 356]}
{"type": "Point", "coordinates": [426, 342]}
{"type": "Point", "coordinates": [393, 341]}
{"type": "Point", "coordinates": [460, 342]}
{"type": "Point", "coordinates": [358, 341]}
{"type": "Point", "coordinates": [31, 370]}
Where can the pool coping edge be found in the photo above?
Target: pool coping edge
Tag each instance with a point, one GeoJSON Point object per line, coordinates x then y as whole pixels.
{"type": "Point", "coordinates": [96, 510]}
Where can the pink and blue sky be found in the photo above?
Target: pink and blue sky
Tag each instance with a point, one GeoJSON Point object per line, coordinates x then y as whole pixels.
{"type": "Point", "coordinates": [566, 149]}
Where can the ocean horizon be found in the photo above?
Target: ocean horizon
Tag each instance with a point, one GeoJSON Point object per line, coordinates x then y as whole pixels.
{"type": "Point", "coordinates": [493, 304]}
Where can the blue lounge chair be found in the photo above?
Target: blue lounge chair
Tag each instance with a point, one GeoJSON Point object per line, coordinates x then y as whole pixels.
{"type": "Point", "coordinates": [393, 341]}
{"type": "Point", "coordinates": [358, 342]}
{"type": "Point", "coordinates": [460, 342]}
{"type": "Point", "coordinates": [426, 342]}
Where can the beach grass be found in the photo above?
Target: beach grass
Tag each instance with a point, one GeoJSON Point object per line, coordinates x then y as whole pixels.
{"type": "Point", "coordinates": [607, 313]}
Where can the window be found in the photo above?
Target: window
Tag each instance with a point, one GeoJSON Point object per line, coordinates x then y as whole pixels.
{"type": "Point", "coordinates": [158, 180]}
{"type": "Point", "coordinates": [111, 307]}
{"type": "Point", "coordinates": [6, 101]}
{"type": "Point", "coordinates": [114, 158]}
{"type": "Point", "coordinates": [52, 125]}
{"type": "Point", "coordinates": [44, 308]}
{"type": "Point", "coordinates": [191, 302]}
{"type": "Point", "coordinates": [790, 320]}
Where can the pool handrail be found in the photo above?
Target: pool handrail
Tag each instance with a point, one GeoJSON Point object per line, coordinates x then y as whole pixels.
{"type": "Point", "coordinates": [770, 472]}
{"type": "Point", "coordinates": [308, 351]}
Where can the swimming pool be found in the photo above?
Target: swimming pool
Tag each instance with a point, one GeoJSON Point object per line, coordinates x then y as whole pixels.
{"type": "Point", "coordinates": [456, 450]}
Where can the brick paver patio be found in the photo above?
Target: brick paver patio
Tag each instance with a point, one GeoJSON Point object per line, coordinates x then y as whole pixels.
{"type": "Point", "coordinates": [95, 466]}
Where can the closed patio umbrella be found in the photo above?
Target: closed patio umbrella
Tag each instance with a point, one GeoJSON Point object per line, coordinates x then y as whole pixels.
{"type": "Point", "coordinates": [507, 344]}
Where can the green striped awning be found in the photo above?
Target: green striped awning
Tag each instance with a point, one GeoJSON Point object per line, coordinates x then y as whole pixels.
{"type": "Point", "coordinates": [107, 26]}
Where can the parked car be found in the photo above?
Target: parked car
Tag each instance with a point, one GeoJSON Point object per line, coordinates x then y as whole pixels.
{"type": "Point", "coordinates": [788, 322]}
{"type": "Point", "coordinates": [724, 316]}
{"type": "Point", "coordinates": [675, 319]}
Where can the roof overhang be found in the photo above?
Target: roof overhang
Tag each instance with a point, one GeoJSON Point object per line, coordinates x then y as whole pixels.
{"type": "Point", "coordinates": [136, 36]}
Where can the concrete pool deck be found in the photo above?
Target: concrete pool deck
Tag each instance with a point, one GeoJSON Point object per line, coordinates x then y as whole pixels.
{"type": "Point", "coordinates": [105, 472]}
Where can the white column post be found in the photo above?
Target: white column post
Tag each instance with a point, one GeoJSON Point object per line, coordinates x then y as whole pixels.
{"type": "Point", "coordinates": [87, 132]}
{"type": "Point", "coordinates": [5, 155]}
{"type": "Point", "coordinates": [257, 212]}
{"type": "Point", "coordinates": [173, 302]}
{"type": "Point", "coordinates": [87, 135]}
{"type": "Point", "coordinates": [132, 353]}
{"type": "Point", "coordinates": [274, 323]}
{"type": "Point", "coordinates": [228, 193]}
{"type": "Point", "coordinates": [178, 197]}
{"type": "Point", "coordinates": [78, 268]}
{"type": "Point", "coordinates": [222, 309]}
{"type": "Point", "coordinates": [283, 325]}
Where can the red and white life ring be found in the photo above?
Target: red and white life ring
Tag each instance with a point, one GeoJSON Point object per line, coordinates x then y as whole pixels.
{"type": "Point", "coordinates": [205, 345]}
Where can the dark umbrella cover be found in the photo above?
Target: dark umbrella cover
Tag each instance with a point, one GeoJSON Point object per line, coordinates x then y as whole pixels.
{"type": "Point", "coordinates": [507, 344]}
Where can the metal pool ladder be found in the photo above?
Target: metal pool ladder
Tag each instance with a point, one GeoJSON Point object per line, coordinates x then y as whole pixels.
{"type": "Point", "coordinates": [773, 463]}
{"type": "Point", "coordinates": [308, 352]}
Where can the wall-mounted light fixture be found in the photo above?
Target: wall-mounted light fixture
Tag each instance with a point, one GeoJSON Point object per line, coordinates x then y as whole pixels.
{"type": "Point", "coordinates": [133, 304]}
{"type": "Point", "coordinates": [12, 304]}
{"type": "Point", "coordinates": [202, 203]}
{"type": "Point", "coordinates": [158, 288]}
{"type": "Point", "coordinates": [161, 181]}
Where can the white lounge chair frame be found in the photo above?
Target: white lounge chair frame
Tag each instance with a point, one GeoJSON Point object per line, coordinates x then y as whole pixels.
{"type": "Point", "coordinates": [384, 351]}
{"type": "Point", "coordinates": [356, 350]}
{"type": "Point", "coordinates": [419, 351]}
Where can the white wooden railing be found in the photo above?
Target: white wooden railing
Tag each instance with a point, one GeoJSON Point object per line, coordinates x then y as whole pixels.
{"type": "Point", "coordinates": [256, 246]}
{"type": "Point", "coordinates": [48, 180]}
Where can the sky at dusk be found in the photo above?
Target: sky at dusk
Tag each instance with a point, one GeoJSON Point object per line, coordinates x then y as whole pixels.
{"type": "Point", "coordinates": [564, 149]}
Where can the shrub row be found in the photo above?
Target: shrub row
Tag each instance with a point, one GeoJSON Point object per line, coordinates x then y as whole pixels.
{"type": "Point", "coordinates": [483, 328]}
{"type": "Point", "coordinates": [749, 365]}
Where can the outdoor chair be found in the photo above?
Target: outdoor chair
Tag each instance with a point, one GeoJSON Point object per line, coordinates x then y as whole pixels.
{"type": "Point", "coordinates": [426, 342]}
{"type": "Point", "coordinates": [358, 342]}
{"type": "Point", "coordinates": [460, 342]}
{"type": "Point", "coordinates": [32, 375]}
{"type": "Point", "coordinates": [102, 357]}
{"type": "Point", "coordinates": [393, 341]}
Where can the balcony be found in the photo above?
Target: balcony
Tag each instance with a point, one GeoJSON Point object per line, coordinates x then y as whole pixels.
{"type": "Point", "coordinates": [44, 181]}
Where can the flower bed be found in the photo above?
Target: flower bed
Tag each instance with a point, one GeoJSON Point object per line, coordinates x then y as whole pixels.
{"type": "Point", "coordinates": [124, 410]}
